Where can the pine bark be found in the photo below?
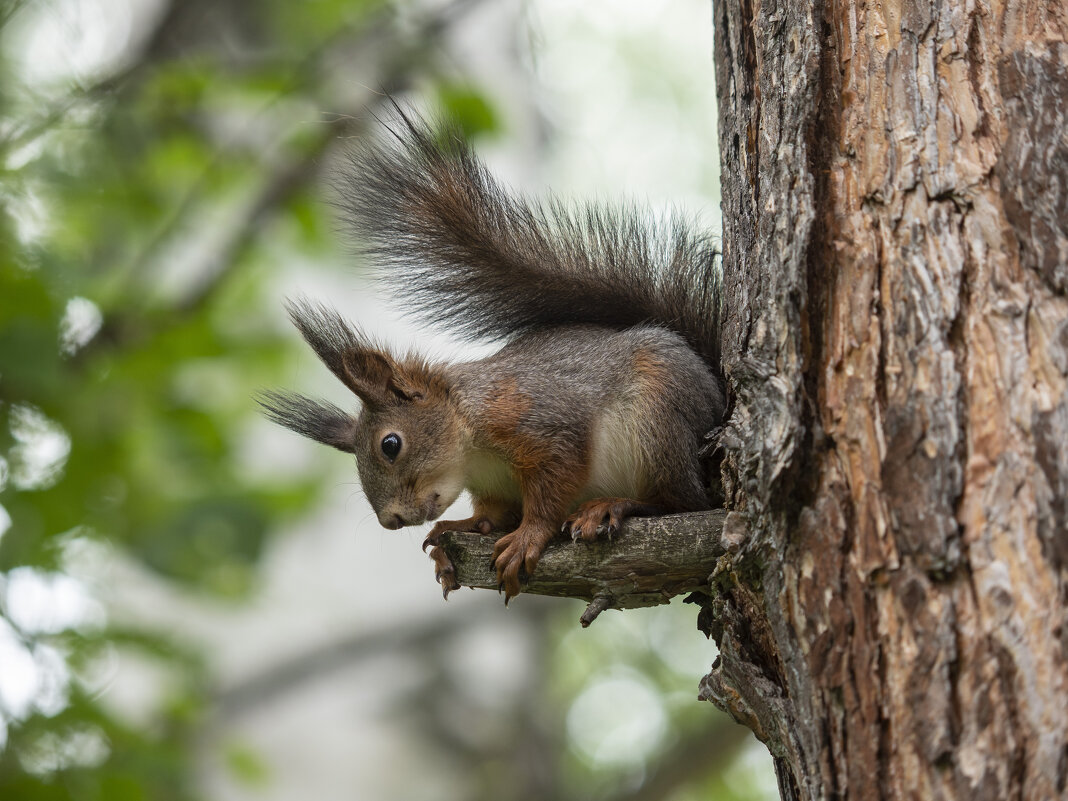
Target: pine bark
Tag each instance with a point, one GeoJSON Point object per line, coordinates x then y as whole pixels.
{"type": "Point", "coordinates": [895, 204]}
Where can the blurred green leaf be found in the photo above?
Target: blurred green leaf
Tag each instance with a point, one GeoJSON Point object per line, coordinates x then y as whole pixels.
{"type": "Point", "coordinates": [246, 765]}
{"type": "Point", "coordinates": [469, 108]}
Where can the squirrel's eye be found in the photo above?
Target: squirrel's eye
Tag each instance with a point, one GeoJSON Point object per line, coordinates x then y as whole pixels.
{"type": "Point", "coordinates": [391, 445]}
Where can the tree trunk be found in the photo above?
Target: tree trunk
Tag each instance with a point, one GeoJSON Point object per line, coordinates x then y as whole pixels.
{"type": "Point", "coordinates": [895, 195]}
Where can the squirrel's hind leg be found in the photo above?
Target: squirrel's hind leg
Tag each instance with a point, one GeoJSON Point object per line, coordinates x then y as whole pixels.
{"type": "Point", "coordinates": [605, 516]}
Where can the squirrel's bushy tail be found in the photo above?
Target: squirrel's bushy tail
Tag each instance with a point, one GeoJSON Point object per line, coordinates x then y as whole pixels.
{"type": "Point", "coordinates": [463, 251]}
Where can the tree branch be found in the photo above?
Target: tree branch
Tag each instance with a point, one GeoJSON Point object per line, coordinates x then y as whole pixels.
{"type": "Point", "coordinates": [650, 561]}
{"type": "Point", "coordinates": [316, 662]}
{"type": "Point", "coordinates": [698, 754]}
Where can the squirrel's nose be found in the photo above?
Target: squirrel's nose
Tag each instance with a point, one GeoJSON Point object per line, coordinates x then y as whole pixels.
{"type": "Point", "coordinates": [392, 522]}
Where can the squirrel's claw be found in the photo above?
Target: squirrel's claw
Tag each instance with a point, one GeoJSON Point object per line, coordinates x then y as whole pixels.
{"type": "Point", "coordinates": [605, 516]}
{"type": "Point", "coordinates": [476, 525]}
{"type": "Point", "coordinates": [444, 572]}
{"type": "Point", "coordinates": [503, 587]}
{"type": "Point", "coordinates": [586, 524]}
{"type": "Point", "coordinates": [576, 526]}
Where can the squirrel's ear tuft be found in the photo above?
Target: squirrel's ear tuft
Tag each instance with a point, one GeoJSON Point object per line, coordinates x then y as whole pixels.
{"type": "Point", "coordinates": [369, 371]}
{"type": "Point", "coordinates": [314, 419]}
{"type": "Point", "coordinates": [328, 333]}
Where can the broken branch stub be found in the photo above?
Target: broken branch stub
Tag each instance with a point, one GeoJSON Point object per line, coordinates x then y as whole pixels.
{"type": "Point", "coordinates": [651, 560]}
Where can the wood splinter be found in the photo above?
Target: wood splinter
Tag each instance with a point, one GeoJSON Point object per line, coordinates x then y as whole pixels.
{"type": "Point", "coordinates": [649, 562]}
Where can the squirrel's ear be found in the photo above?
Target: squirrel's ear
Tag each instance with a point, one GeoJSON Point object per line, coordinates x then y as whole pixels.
{"type": "Point", "coordinates": [376, 377]}
{"type": "Point", "coordinates": [368, 371]}
{"type": "Point", "coordinates": [316, 420]}
{"type": "Point", "coordinates": [339, 344]}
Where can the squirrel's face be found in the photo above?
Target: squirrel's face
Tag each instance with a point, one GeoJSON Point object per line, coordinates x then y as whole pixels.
{"type": "Point", "coordinates": [410, 461]}
{"type": "Point", "coordinates": [407, 439]}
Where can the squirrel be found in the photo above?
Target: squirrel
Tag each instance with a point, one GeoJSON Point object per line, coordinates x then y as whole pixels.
{"type": "Point", "coordinates": [596, 406]}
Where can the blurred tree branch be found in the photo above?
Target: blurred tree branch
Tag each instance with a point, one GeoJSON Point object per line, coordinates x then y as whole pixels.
{"type": "Point", "coordinates": [290, 177]}
{"type": "Point", "coordinates": [696, 755]}
{"type": "Point", "coordinates": [315, 663]}
{"type": "Point", "coordinates": [408, 53]}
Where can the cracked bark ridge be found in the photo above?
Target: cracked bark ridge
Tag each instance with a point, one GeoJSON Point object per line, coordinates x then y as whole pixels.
{"type": "Point", "coordinates": [1033, 166]}
{"type": "Point", "coordinates": [896, 341]}
{"type": "Point", "coordinates": [651, 560]}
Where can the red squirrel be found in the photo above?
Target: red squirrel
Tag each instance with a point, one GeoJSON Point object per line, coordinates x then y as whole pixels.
{"type": "Point", "coordinates": [594, 409]}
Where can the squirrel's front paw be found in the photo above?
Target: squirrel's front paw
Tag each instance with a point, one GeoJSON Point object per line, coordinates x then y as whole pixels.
{"type": "Point", "coordinates": [517, 551]}
{"type": "Point", "coordinates": [476, 525]}
{"type": "Point", "coordinates": [444, 572]}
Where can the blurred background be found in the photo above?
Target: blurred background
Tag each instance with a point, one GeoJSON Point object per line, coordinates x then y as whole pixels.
{"type": "Point", "coordinates": [197, 605]}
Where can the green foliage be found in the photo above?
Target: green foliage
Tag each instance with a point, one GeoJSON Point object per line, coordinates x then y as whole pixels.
{"type": "Point", "coordinates": [136, 322]}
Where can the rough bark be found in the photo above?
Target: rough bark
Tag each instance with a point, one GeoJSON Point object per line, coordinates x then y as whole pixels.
{"type": "Point", "coordinates": [650, 561]}
{"type": "Point", "coordinates": [895, 186]}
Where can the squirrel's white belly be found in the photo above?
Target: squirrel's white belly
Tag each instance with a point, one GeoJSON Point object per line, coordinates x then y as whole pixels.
{"type": "Point", "coordinates": [619, 460]}
{"type": "Point", "coordinates": [489, 475]}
